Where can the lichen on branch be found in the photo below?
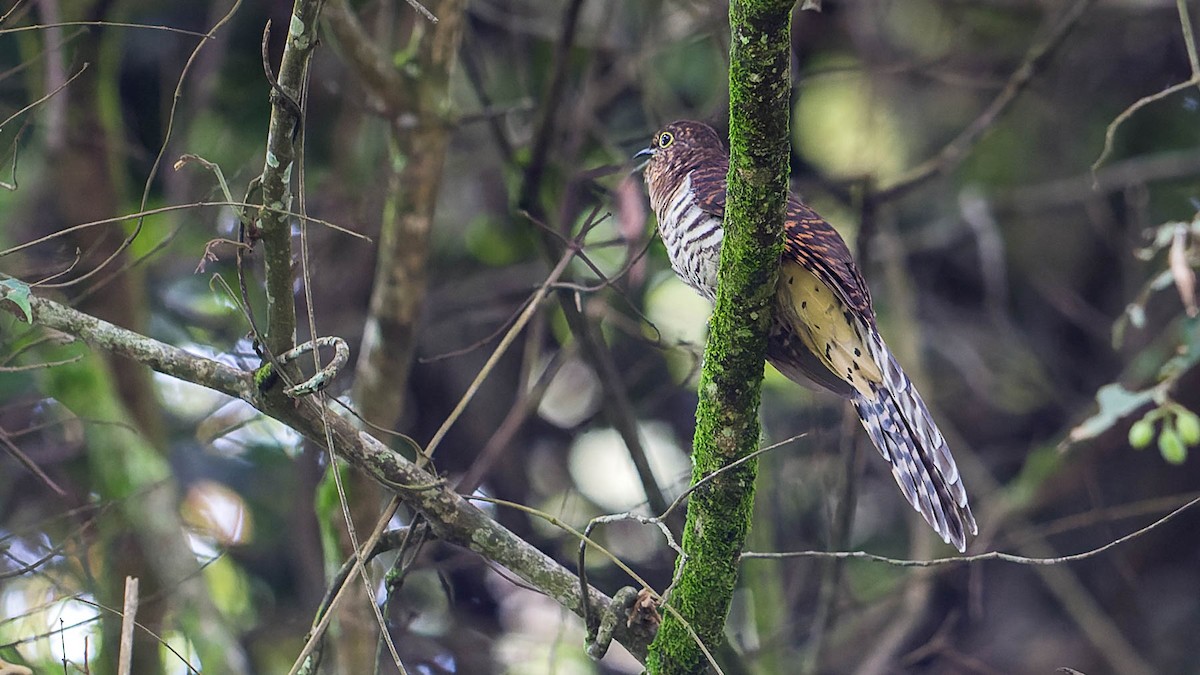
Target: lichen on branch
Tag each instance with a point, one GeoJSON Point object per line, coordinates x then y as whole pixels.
{"type": "Point", "coordinates": [282, 134]}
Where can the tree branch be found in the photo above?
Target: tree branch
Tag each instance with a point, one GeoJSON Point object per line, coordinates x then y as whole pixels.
{"type": "Point", "coordinates": [727, 426]}
{"type": "Point", "coordinates": [452, 518]}
{"type": "Point", "coordinates": [285, 125]}
{"type": "Point", "coordinates": [416, 157]}
{"type": "Point", "coordinates": [1036, 60]}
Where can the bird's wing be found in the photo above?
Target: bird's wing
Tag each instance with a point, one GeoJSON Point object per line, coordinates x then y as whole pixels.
{"type": "Point", "coordinates": [832, 339]}
{"type": "Point", "coordinates": [809, 240]}
{"type": "Point", "coordinates": [812, 242]}
{"type": "Point", "coordinates": [709, 183]}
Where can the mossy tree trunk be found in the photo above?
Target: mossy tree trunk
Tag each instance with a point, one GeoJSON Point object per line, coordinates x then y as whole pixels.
{"type": "Point", "coordinates": [727, 427]}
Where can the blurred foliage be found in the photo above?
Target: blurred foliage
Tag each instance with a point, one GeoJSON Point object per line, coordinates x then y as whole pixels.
{"type": "Point", "coordinates": [1042, 317]}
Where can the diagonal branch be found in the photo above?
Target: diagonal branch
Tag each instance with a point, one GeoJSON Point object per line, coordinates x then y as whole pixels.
{"type": "Point", "coordinates": [1036, 60]}
{"type": "Point", "coordinates": [452, 518]}
{"type": "Point", "coordinates": [370, 64]}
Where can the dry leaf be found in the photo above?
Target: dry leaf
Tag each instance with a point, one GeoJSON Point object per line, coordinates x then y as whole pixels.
{"type": "Point", "coordinates": [1181, 271]}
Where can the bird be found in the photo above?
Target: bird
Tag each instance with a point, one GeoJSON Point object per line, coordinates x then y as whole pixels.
{"type": "Point", "coordinates": [824, 330]}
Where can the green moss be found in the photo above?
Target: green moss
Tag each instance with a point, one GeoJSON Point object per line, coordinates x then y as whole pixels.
{"type": "Point", "coordinates": [265, 377]}
{"type": "Point", "coordinates": [727, 426]}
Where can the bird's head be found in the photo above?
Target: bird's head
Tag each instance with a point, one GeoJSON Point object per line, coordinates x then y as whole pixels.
{"type": "Point", "coordinates": [678, 148]}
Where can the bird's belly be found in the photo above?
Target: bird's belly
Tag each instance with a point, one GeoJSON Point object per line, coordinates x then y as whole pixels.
{"type": "Point", "coordinates": [692, 238]}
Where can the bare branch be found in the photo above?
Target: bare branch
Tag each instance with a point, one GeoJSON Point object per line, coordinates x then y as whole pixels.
{"type": "Point", "coordinates": [990, 555]}
{"type": "Point", "coordinates": [452, 518]}
{"type": "Point", "coordinates": [1036, 60]}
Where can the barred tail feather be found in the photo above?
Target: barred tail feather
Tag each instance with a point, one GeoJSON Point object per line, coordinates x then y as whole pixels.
{"type": "Point", "coordinates": [903, 431]}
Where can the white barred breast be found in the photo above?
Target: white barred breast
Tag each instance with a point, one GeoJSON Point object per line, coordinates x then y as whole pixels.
{"type": "Point", "coordinates": [692, 238]}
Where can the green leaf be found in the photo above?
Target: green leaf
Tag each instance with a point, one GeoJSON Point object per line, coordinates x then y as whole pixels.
{"type": "Point", "coordinates": [1116, 402]}
{"type": "Point", "coordinates": [17, 292]}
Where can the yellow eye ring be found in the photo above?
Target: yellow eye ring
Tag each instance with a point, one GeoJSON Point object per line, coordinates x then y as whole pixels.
{"type": "Point", "coordinates": [665, 139]}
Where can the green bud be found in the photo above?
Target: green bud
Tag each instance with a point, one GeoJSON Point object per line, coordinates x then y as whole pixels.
{"type": "Point", "coordinates": [1188, 425]}
{"type": "Point", "coordinates": [1171, 446]}
{"type": "Point", "coordinates": [1141, 433]}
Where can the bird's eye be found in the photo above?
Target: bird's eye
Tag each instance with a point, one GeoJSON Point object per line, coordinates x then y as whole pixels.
{"type": "Point", "coordinates": [665, 139]}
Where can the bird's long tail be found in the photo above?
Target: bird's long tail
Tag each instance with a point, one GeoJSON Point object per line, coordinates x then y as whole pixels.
{"type": "Point", "coordinates": [903, 431]}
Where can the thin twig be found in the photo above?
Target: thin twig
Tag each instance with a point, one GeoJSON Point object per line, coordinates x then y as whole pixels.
{"type": "Point", "coordinates": [162, 149]}
{"type": "Point", "coordinates": [494, 448]}
{"type": "Point", "coordinates": [168, 209]}
{"type": "Point", "coordinates": [423, 11]}
{"type": "Point", "coordinates": [1189, 38]}
{"type": "Point", "coordinates": [511, 335]}
{"type": "Point", "coordinates": [531, 180]}
{"type": "Point", "coordinates": [410, 546]}
{"type": "Point", "coordinates": [1110, 132]}
{"type": "Point", "coordinates": [831, 570]}
{"type": "Point", "coordinates": [1189, 41]}
{"type": "Point", "coordinates": [584, 540]}
{"type": "Point", "coordinates": [288, 101]}
{"type": "Point", "coordinates": [1118, 175]}
{"type": "Point", "coordinates": [115, 612]}
{"type": "Point", "coordinates": [478, 344]}
{"type": "Point", "coordinates": [658, 521]}
{"type": "Point", "coordinates": [358, 560]}
{"type": "Point", "coordinates": [728, 467]}
{"type": "Point", "coordinates": [1036, 59]}
{"type": "Point", "coordinates": [25, 461]}
{"type": "Point", "coordinates": [43, 99]}
{"type": "Point", "coordinates": [104, 24]}
{"type": "Point", "coordinates": [16, 153]}
{"type": "Point", "coordinates": [616, 518]}
{"type": "Point", "coordinates": [990, 555]}
{"type": "Point", "coordinates": [11, 10]}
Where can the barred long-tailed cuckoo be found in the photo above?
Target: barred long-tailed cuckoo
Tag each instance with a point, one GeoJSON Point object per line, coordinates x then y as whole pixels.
{"type": "Point", "coordinates": [824, 330]}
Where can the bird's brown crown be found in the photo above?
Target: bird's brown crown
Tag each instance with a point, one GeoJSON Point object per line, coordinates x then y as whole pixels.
{"type": "Point", "coordinates": [677, 149]}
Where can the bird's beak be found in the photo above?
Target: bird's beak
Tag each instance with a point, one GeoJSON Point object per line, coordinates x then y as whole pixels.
{"type": "Point", "coordinates": [642, 158]}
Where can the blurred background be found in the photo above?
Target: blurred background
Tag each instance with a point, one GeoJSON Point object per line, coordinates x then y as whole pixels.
{"type": "Point", "coordinates": [1039, 301]}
